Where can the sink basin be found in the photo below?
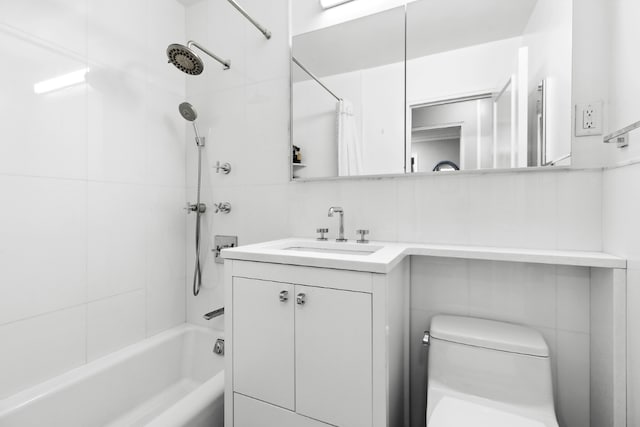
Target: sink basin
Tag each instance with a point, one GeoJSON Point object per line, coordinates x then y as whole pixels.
{"type": "Point", "coordinates": [332, 248]}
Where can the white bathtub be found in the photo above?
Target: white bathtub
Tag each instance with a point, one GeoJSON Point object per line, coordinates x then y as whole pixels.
{"type": "Point", "coordinates": [171, 379]}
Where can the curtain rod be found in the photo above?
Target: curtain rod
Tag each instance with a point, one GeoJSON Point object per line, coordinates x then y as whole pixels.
{"type": "Point", "coordinates": [315, 78]}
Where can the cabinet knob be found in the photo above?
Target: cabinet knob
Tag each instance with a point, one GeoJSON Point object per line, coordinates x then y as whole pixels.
{"type": "Point", "coordinates": [301, 298]}
{"type": "Point", "coordinates": [284, 296]}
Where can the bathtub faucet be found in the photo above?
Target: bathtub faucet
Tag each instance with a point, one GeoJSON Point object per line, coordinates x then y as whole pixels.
{"type": "Point", "coordinates": [215, 313]}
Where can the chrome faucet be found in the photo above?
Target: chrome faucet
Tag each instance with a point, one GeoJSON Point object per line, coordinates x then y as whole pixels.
{"type": "Point", "coordinates": [341, 229]}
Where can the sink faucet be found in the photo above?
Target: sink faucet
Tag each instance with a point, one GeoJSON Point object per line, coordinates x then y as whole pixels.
{"type": "Point", "coordinates": [341, 230]}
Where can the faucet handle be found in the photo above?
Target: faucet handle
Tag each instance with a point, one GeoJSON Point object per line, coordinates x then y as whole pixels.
{"type": "Point", "coordinates": [225, 168]}
{"type": "Point", "coordinates": [322, 232]}
{"type": "Point", "coordinates": [362, 233]}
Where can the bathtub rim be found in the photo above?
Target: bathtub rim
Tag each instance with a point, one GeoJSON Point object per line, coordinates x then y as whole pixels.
{"type": "Point", "coordinates": [73, 376]}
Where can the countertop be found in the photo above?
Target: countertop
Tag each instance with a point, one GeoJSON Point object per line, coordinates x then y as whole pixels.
{"type": "Point", "coordinates": [389, 254]}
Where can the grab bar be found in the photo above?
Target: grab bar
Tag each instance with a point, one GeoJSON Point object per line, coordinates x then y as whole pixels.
{"type": "Point", "coordinates": [621, 136]}
{"type": "Point", "coordinates": [244, 13]}
{"type": "Point", "coordinates": [215, 313]}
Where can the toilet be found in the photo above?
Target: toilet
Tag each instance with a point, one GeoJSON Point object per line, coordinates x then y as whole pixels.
{"type": "Point", "coordinates": [485, 373]}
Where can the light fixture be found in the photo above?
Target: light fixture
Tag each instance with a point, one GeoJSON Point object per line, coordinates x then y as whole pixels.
{"type": "Point", "coordinates": [327, 4]}
{"type": "Point", "coordinates": [61, 82]}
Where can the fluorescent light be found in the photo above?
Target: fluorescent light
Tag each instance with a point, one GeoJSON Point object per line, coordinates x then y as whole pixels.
{"type": "Point", "coordinates": [61, 82]}
{"type": "Point", "coordinates": [326, 4]}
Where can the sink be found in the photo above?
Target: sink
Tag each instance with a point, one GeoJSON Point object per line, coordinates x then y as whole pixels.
{"type": "Point", "coordinates": [331, 248]}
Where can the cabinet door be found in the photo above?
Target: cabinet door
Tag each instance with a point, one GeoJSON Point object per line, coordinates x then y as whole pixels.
{"type": "Point", "coordinates": [333, 356]}
{"type": "Point", "coordinates": [263, 333]}
{"type": "Point", "coordinates": [249, 412]}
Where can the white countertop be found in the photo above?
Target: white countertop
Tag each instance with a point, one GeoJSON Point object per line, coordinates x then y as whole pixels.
{"type": "Point", "coordinates": [390, 254]}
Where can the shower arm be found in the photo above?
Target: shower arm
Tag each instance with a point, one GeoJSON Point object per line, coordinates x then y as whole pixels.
{"type": "Point", "coordinates": [225, 63]}
{"type": "Point", "coordinates": [244, 13]}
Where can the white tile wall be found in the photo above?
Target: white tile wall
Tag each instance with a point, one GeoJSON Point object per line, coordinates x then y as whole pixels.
{"type": "Point", "coordinates": [117, 239]}
{"type": "Point", "coordinates": [115, 322]}
{"type": "Point", "coordinates": [622, 237]}
{"type": "Point", "coordinates": [526, 294]}
{"type": "Point", "coordinates": [92, 180]}
{"type": "Point", "coordinates": [40, 347]}
{"type": "Point", "coordinates": [43, 249]}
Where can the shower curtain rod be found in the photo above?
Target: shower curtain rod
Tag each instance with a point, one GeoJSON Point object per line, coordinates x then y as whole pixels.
{"type": "Point", "coordinates": [244, 13]}
{"type": "Point", "coordinates": [315, 78]}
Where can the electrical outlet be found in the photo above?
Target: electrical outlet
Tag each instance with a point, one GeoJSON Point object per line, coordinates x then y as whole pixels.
{"type": "Point", "coordinates": [589, 119]}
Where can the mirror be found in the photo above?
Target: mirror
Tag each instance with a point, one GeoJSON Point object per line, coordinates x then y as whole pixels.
{"type": "Point", "coordinates": [430, 86]}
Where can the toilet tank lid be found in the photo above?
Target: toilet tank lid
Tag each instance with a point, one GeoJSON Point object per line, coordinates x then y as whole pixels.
{"type": "Point", "coordinates": [489, 334]}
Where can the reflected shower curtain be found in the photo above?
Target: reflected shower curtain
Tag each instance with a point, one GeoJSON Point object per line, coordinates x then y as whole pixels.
{"type": "Point", "coordinates": [349, 145]}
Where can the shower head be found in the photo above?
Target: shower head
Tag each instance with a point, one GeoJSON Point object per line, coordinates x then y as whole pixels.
{"type": "Point", "coordinates": [187, 111]}
{"type": "Point", "coordinates": [187, 61]}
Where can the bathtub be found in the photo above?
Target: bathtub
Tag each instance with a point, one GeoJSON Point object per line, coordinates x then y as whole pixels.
{"type": "Point", "coordinates": [171, 379]}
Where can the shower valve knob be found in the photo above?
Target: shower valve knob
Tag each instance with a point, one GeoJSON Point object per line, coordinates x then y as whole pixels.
{"type": "Point", "coordinates": [224, 207]}
{"type": "Point", "coordinates": [225, 168]}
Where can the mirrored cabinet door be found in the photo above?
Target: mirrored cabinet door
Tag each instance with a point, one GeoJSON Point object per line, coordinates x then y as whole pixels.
{"type": "Point", "coordinates": [348, 97]}
{"type": "Point", "coordinates": [430, 86]}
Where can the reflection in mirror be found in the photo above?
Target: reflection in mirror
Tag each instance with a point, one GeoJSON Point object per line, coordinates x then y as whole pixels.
{"type": "Point", "coordinates": [478, 84]}
{"type": "Point", "coordinates": [348, 97]}
{"type": "Point", "coordinates": [478, 65]}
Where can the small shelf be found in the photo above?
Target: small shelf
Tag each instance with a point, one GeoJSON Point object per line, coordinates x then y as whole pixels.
{"type": "Point", "coordinates": [298, 165]}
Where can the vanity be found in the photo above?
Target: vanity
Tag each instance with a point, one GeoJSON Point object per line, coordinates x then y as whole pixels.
{"type": "Point", "coordinates": [317, 335]}
{"type": "Point", "coordinates": [318, 332]}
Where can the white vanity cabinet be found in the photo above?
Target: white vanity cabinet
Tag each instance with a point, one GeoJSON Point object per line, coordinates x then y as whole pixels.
{"type": "Point", "coordinates": [313, 346]}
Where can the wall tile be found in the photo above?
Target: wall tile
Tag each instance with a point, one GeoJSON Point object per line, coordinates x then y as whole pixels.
{"type": "Point", "coordinates": [55, 344]}
{"type": "Point", "coordinates": [115, 322]}
{"type": "Point", "coordinates": [119, 39]}
{"type": "Point", "coordinates": [165, 276]}
{"type": "Point", "coordinates": [440, 284]}
{"type": "Point", "coordinates": [46, 133]}
{"type": "Point", "coordinates": [117, 239]}
{"type": "Point", "coordinates": [166, 145]}
{"type": "Point", "coordinates": [267, 59]}
{"type": "Point", "coordinates": [573, 379]}
{"type": "Point", "coordinates": [513, 292]}
{"type": "Point", "coordinates": [580, 211]}
{"type": "Point", "coordinates": [166, 26]}
{"type": "Point", "coordinates": [43, 247]}
{"type": "Point", "coordinates": [514, 210]}
{"type": "Point", "coordinates": [573, 298]}
{"type": "Point", "coordinates": [60, 22]}
{"type": "Point", "coordinates": [441, 210]}
{"type": "Point", "coordinates": [68, 232]}
{"type": "Point", "coordinates": [117, 149]}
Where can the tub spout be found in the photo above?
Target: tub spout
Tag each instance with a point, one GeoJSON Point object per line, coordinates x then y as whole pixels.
{"type": "Point", "coordinates": [215, 313]}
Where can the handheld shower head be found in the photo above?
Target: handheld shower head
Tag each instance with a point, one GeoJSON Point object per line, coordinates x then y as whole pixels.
{"type": "Point", "coordinates": [189, 114]}
{"type": "Point", "coordinates": [187, 61]}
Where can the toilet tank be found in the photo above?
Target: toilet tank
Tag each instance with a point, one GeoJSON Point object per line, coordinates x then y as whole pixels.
{"type": "Point", "coordinates": [491, 360]}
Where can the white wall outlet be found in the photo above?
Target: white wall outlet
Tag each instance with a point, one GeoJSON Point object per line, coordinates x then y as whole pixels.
{"type": "Point", "coordinates": [589, 119]}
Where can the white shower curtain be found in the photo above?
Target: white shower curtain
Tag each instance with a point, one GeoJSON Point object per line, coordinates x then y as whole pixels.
{"type": "Point", "coordinates": [349, 145]}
